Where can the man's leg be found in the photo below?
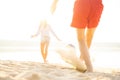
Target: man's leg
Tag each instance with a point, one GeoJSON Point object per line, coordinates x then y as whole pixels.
{"type": "Point", "coordinates": [84, 49]}
{"type": "Point", "coordinates": [89, 36]}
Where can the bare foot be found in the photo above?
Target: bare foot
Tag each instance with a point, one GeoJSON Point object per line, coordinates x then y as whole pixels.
{"type": "Point", "coordinates": [81, 70]}
{"type": "Point", "coordinates": [45, 61]}
{"type": "Point", "coordinates": [90, 69]}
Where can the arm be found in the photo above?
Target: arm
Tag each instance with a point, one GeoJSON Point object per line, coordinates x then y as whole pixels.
{"type": "Point", "coordinates": [38, 32]}
{"type": "Point", "coordinates": [54, 34]}
{"type": "Point", "coordinates": [53, 6]}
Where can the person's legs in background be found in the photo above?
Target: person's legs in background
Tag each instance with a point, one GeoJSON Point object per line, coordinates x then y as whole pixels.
{"type": "Point", "coordinates": [42, 48]}
{"type": "Point", "coordinates": [46, 51]}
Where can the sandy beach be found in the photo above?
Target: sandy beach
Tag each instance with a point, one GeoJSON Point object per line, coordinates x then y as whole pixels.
{"type": "Point", "coordinates": [20, 57]}
{"type": "Point", "coordinates": [25, 63]}
{"type": "Point", "coordinates": [28, 70]}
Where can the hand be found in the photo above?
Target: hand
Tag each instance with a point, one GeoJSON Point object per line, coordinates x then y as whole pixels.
{"type": "Point", "coordinates": [53, 7]}
{"type": "Point", "coordinates": [59, 39]}
{"type": "Point", "coordinates": [33, 36]}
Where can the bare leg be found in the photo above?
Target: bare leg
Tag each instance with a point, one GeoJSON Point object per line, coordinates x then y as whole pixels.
{"type": "Point", "coordinates": [43, 50]}
{"type": "Point", "coordinates": [89, 36]}
{"type": "Point", "coordinates": [46, 50]}
{"type": "Point", "coordinates": [84, 49]}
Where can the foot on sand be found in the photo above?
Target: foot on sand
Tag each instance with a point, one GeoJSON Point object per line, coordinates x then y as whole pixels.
{"type": "Point", "coordinates": [68, 54]}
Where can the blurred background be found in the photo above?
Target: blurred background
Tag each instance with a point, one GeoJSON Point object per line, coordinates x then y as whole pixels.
{"type": "Point", "coordinates": [19, 19]}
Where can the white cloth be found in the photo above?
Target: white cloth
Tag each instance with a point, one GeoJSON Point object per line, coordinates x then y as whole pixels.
{"type": "Point", "coordinates": [45, 32]}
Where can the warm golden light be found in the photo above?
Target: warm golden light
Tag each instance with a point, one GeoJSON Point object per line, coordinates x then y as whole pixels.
{"type": "Point", "coordinates": [19, 19]}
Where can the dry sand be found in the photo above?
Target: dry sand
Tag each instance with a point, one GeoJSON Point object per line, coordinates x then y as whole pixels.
{"type": "Point", "coordinates": [15, 66]}
{"type": "Point", "coordinates": [28, 70]}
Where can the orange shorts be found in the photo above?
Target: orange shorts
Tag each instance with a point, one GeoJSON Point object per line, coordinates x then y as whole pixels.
{"type": "Point", "coordinates": [86, 13]}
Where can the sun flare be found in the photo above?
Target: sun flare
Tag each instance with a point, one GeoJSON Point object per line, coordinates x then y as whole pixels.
{"type": "Point", "coordinates": [19, 19]}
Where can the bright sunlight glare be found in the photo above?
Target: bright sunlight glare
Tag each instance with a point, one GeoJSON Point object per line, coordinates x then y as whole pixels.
{"type": "Point", "coordinates": [19, 19]}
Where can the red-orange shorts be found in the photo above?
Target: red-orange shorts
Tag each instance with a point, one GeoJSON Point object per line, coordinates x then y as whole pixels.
{"type": "Point", "coordinates": [86, 13]}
